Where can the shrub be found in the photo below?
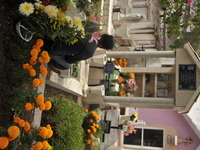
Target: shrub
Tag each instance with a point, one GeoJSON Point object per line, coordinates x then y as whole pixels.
{"type": "Point", "coordinates": [66, 118]}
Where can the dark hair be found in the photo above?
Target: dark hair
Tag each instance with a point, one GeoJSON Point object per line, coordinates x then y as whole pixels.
{"type": "Point", "coordinates": [107, 41]}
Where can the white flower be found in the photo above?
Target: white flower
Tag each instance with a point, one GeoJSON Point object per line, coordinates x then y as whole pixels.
{"type": "Point", "coordinates": [51, 11]}
{"type": "Point", "coordinates": [78, 22]}
{"type": "Point", "coordinates": [69, 21]}
{"type": "Point", "coordinates": [26, 8]}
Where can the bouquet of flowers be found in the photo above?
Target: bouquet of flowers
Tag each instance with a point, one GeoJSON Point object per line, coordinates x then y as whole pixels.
{"type": "Point", "coordinates": [130, 128]}
{"type": "Point", "coordinates": [134, 117]}
{"type": "Point", "coordinates": [48, 20]}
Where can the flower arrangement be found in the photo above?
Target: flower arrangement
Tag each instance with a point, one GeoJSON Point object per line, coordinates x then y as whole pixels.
{"type": "Point", "coordinates": [49, 20]}
{"type": "Point", "coordinates": [121, 62]}
{"type": "Point", "coordinates": [130, 128]}
{"type": "Point", "coordinates": [92, 127]}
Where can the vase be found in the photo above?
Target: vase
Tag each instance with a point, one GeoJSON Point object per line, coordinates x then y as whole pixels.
{"type": "Point", "coordinates": [23, 32]}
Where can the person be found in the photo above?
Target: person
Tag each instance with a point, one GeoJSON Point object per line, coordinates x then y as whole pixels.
{"type": "Point", "coordinates": [64, 55]}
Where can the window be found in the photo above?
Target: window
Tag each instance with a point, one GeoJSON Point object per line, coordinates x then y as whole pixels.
{"type": "Point", "coordinates": [152, 138]}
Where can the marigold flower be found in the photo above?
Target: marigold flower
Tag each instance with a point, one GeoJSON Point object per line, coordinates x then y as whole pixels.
{"type": "Point", "coordinates": [16, 119]}
{"type": "Point", "coordinates": [32, 72]}
{"type": "Point", "coordinates": [97, 126]}
{"type": "Point", "coordinates": [21, 123]}
{"type": "Point", "coordinates": [26, 8]}
{"type": "Point", "coordinates": [24, 66]}
{"type": "Point", "coordinates": [91, 136]}
{"type": "Point", "coordinates": [39, 43]}
{"type": "Point", "coordinates": [41, 81]}
{"type": "Point", "coordinates": [42, 67]}
{"type": "Point", "coordinates": [45, 54]}
{"type": "Point", "coordinates": [33, 62]}
{"type": "Point", "coordinates": [34, 52]}
{"type": "Point", "coordinates": [3, 142]}
{"type": "Point", "coordinates": [48, 105]}
{"type": "Point", "coordinates": [92, 144]}
{"type": "Point", "coordinates": [48, 126]}
{"type": "Point", "coordinates": [46, 60]}
{"type": "Point", "coordinates": [38, 146]}
{"type": "Point", "coordinates": [32, 148]}
{"type": "Point", "coordinates": [43, 72]}
{"type": "Point", "coordinates": [93, 113]}
{"type": "Point", "coordinates": [40, 59]}
{"type": "Point", "coordinates": [45, 144]}
{"type": "Point", "coordinates": [36, 47]}
{"type": "Point", "coordinates": [90, 120]}
{"type": "Point", "coordinates": [13, 131]}
{"type": "Point", "coordinates": [86, 110]}
{"type": "Point", "coordinates": [42, 106]}
{"type": "Point", "coordinates": [50, 133]}
{"type": "Point", "coordinates": [39, 100]}
{"type": "Point", "coordinates": [29, 67]}
{"type": "Point", "coordinates": [33, 58]}
{"type": "Point", "coordinates": [88, 130]}
{"type": "Point", "coordinates": [43, 132]}
{"type": "Point", "coordinates": [36, 82]}
{"type": "Point", "coordinates": [88, 142]}
{"type": "Point", "coordinates": [94, 130]}
{"type": "Point", "coordinates": [28, 106]}
{"type": "Point", "coordinates": [27, 126]}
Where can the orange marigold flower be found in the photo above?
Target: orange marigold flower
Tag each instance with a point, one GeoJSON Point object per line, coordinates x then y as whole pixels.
{"type": "Point", "coordinates": [88, 142]}
{"type": "Point", "coordinates": [29, 67]}
{"type": "Point", "coordinates": [86, 110]}
{"type": "Point", "coordinates": [92, 144]}
{"type": "Point", "coordinates": [27, 126]}
{"type": "Point", "coordinates": [40, 59]}
{"type": "Point", "coordinates": [38, 146]}
{"type": "Point", "coordinates": [91, 136]}
{"type": "Point", "coordinates": [48, 105]}
{"type": "Point", "coordinates": [90, 120]}
{"type": "Point", "coordinates": [93, 113]}
{"type": "Point", "coordinates": [16, 119]}
{"type": "Point", "coordinates": [34, 52]}
{"type": "Point", "coordinates": [88, 130]}
{"type": "Point", "coordinates": [45, 54]}
{"type": "Point", "coordinates": [97, 126]}
{"type": "Point", "coordinates": [50, 133]}
{"type": "Point", "coordinates": [43, 132]}
{"type": "Point", "coordinates": [45, 144]}
{"type": "Point", "coordinates": [13, 131]}
{"type": "Point", "coordinates": [3, 142]}
{"type": "Point", "coordinates": [33, 62]}
{"type": "Point", "coordinates": [39, 43]}
{"type": "Point", "coordinates": [32, 72]}
{"type": "Point", "coordinates": [42, 106]}
{"type": "Point", "coordinates": [44, 72]}
{"type": "Point", "coordinates": [36, 47]}
{"type": "Point", "coordinates": [41, 81]}
{"type": "Point", "coordinates": [42, 67]}
{"type": "Point", "coordinates": [46, 60]}
{"type": "Point", "coordinates": [33, 58]}
{"type": "Point", "coordinates": [24, 66]}
{"type": "Point", "coordinates": [48, 126]}
{"type": "Point", "coordinates": [39, 99]}
{"type": "Point", "coordinates": [94, 130]}
{"type": "Point", "coordinates": [21, 123]}
{"type": "Point", "coordinates": [28, 106]}
{"type": "Point", "coordinates": [36, 82]}
{"type": "Point", "coordinates": [10, 139]}
{"type": "Point", "coordinates": [32, 148]}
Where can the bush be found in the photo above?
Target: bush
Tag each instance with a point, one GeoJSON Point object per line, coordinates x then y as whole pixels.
{"type": "Point", "coordinates": [66, 118]}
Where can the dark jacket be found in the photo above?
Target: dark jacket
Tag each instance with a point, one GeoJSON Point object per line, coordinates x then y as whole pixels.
{"type": "Point", "coordinates": [81, 50]}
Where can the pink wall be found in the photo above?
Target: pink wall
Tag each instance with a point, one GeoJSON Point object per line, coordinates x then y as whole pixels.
{"type": "Point", "coordinates": [172, 118]}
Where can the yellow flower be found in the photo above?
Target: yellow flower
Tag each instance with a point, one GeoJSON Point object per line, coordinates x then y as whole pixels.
{"type": "Point", "coordinates": [13, 131]}
{"type": "Point", "coordinates": [78, 23]}
{"type": "Point", "coordinates": [3, 142]}
{"type": "Point", "coordinates": [48, 105]}
{"type": "Point", "coordinates": [69, 21]}
{"type": "Point", "coordinates": [51, 11]}
{"type": "Point", "coordinates": [26, 8]}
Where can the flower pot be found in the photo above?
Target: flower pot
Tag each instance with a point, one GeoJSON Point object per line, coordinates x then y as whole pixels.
{"type": "Point", "coordinates": [23, 32]}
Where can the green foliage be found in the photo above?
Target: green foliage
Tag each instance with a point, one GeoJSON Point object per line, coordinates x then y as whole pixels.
{"type": "Point", "coordinates": [76, 69]}
{"type": "Point", "coordinates": [67, 118]}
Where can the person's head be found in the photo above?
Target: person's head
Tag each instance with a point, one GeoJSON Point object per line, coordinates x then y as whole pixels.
{"type": "Point", "coordinates": [107, 41]}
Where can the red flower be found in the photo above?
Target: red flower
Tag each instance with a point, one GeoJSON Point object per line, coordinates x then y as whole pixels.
{"type": "Point", "coordinates": [64, 7]}
{"type": "Point", "coordinates": [45, 3]}
{"type": "Point", "coordinates": [52, 4]}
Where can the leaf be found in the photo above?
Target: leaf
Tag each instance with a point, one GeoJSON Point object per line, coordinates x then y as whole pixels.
{"type": "Point", "coordinates": [55, 34]}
